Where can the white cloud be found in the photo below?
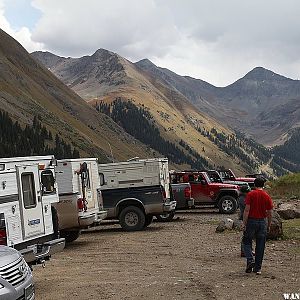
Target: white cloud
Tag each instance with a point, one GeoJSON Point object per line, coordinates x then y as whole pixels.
{"type": "Point", "coordinates": [22, 35]}
{"type": "Point", "coordinates": [216, 40]}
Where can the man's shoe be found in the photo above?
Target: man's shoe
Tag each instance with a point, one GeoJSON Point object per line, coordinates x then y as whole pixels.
{"type": "Point", "coordinates": [242, 254]}
{"type": "Point", "coordinates": [250, 267]}
{"type": "Point", "coordinates": [258, 272]}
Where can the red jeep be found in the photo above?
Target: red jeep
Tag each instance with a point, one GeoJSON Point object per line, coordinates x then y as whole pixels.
{"type": "Point", "coordinates": [204, 192]}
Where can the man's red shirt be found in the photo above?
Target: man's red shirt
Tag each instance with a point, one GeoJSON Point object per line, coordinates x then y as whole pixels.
{"type": "Point", "coordinates": [259, 202]}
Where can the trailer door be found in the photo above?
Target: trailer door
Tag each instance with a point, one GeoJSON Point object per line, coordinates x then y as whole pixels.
{"type": "Point", "coordinates": [91, 189]}
{"type": "Point", "coordinates": [30, 201]}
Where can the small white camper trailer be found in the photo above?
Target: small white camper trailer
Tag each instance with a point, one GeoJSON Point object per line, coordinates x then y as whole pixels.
{"type": "Point", "coordinates": [27, 191]}
{"type": "Point", "coordinates": [136, 173]}
{"type": "Point", "coordinates": [81, 203]}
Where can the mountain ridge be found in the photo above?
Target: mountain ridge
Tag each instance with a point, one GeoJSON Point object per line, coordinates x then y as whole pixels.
{"type": "Point", "coordinates": [168, 97]}
{"type": "Point", "coordinates": [29, 89]}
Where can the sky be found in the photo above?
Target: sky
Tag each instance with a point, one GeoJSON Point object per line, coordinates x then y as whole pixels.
{"type": "Point", "coordinates": [218, 41]}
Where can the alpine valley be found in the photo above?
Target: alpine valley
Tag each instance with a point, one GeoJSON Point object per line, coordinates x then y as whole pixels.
{"type": "Point", "coordinates": [106, 106]}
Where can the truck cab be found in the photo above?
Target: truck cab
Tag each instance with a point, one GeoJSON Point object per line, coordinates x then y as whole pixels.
{"type": "Point", "coordinates": [26, 219]}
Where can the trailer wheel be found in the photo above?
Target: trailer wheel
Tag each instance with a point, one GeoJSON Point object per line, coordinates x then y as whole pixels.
{"type": "Point", "coordinates": [55, 223]}
{"type": "Point", "coordinates": [132, 218]}
{"type": "Point", "coordinates": [70, 236]}
{"type": "Point", "coordinates": [227, 205]}
{"type": "Point", "coordinates": [166, 217]}
{"type": "Point", "coordinates": [148, 220]}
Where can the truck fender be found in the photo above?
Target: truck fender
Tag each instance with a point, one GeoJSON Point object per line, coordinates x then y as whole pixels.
{"type": "Point", "coordinates": [231, 192]}
{"type": "Point", "coordinates": [127, 202]}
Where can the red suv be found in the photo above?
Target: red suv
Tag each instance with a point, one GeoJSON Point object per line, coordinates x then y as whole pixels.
{"type": "Point", "coordinates": [205, 192]}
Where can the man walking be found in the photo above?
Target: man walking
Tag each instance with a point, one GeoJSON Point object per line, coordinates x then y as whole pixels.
{"type": "Point", "coordinates": [259, 206]}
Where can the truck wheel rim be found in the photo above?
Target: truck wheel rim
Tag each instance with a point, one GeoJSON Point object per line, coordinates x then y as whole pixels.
{"type": "Point", "coordinates": [131, 219]}
{"type": "Point", "coordinates": [227, 205]}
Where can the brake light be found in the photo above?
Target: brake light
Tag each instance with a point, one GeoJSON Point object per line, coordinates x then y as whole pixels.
{"type": "Point", "coordinates": [3, 237]}
{"type": "Point", "coordinates": [80, 204]}
{"type": "Point", "coordinates": [187, 192]}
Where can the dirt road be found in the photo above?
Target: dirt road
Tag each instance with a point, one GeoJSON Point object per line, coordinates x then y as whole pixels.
{"type": "Point", "coordinates": [184, 259]}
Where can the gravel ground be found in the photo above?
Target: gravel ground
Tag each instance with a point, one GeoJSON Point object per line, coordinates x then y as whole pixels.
{"type": "Point", "coordinates": [183, 259]}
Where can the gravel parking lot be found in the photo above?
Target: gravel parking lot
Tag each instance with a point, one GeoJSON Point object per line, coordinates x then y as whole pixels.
{"type": "Point", "coordinates": [183, 259]}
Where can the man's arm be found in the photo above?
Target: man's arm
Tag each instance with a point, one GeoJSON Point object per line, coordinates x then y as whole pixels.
{"type": "Point", "coordinates": [269, 216]}
{"type": "Point", "coordinates": [246, 214]}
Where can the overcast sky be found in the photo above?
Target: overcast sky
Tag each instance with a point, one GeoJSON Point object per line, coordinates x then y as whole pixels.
{"type": "Point", "coordinates": [215, 40]}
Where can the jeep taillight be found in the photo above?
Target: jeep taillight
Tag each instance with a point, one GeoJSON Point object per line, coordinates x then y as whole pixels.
{"type": "Point", "coordinates": [80, 204]}
{"type": "Point", "coordinates": [3, 236]}
{"type": "Point", "coordinates": [187, 192]}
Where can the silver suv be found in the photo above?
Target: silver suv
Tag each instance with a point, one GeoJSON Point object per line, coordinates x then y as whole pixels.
{"type": "Point", "coordinates": [16, 282]}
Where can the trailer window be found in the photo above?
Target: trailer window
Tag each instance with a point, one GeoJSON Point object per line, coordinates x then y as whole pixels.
{"type": "Point", "coordinates": [28, 190]}
{"type": "Point", "coordinates": [102, 182]}
{"type": "Point", "coordinates": [48, 180]}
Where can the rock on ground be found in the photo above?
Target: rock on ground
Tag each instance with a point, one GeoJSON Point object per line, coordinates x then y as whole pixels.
{"type": "Point", "coordinates": [289, 210]}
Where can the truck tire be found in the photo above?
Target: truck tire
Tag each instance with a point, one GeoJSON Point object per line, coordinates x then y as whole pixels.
{"type": "Point", "coordinates": [132, 218]}
{"type": "Point", "coordinates": [70, 236]}
{"type": "Point", "coordinates": [227, 205]}
{"type": "Point", "coordinates": [148, 220]}
{"type": "Point", "coordinates": [166, 217]}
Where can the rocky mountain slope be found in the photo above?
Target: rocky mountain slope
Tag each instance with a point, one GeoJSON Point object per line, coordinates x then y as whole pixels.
{"type": "Point", "coordinates": [163, 95]}
{"type": "Point", "coordinates": [262, 104]}
{"type": "Point", "coordinates": [28, 89]}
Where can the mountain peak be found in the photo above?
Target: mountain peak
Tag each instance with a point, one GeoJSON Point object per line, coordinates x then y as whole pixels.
{"type": "Point", "coordinates": [146, 63]}
{"type": "Point", "coordinates": [103, 54]}
{"type": "Point", "coordinates": [262, 74]}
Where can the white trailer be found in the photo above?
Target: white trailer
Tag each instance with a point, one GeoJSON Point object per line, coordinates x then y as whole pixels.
{"type": "Point", "coordinates": [27, 191]}
{"type": "Point", "coordinates": [81, 203]}
{"type": "Point", "coordinates": [136, 173]}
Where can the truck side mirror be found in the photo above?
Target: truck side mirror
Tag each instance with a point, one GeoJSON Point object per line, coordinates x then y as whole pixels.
{"type": "Point", "coordinates": [203, 182]}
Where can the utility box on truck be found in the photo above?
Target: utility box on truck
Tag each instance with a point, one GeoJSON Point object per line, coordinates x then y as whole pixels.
{"type": "Point", "coordinates": [136, 173]}
{"type": "Point", "coordinates": [135, 191]}
{"type": "Point", "coordinates": [27, 191]}
{"type": "Point", "coordinates": [80, 199]}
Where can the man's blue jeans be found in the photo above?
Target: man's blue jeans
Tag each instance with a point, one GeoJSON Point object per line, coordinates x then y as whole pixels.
{"type": "Point", "coordinates": [256, 228]}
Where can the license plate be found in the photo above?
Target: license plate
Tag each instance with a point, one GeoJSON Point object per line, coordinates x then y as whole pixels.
{"type": "Point", "coordinates": [29, 292]}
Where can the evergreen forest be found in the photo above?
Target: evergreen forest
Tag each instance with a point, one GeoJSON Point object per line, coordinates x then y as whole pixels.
{"type": "Point", "coordinates": [34, 139]}
{"type": "Point", "coordinates": [138, 122]}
